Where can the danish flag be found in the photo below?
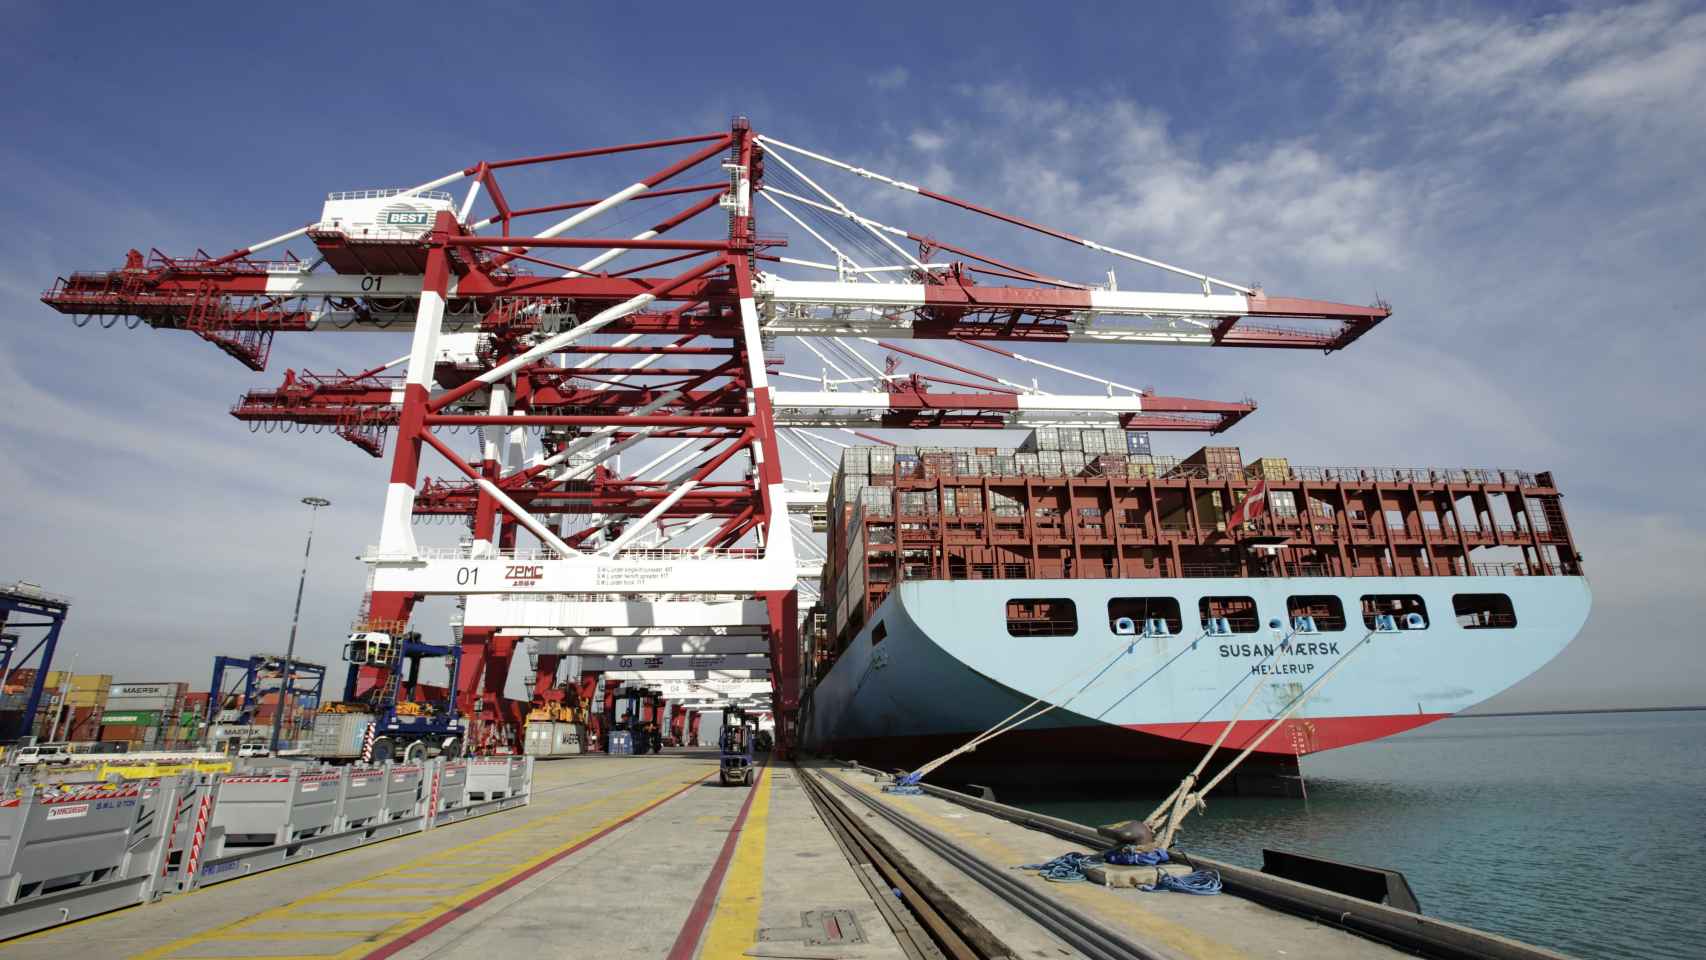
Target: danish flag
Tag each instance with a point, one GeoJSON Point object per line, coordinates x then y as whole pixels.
{"type": "Point", "coordinates": [1252, 506]}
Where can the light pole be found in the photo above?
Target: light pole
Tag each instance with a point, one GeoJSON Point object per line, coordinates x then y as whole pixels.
{"type": "Point", "coordinates": [290, 651]}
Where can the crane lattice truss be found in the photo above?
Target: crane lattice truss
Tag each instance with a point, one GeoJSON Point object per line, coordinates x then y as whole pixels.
{"type": "Point", "coordinates": [660, 345]}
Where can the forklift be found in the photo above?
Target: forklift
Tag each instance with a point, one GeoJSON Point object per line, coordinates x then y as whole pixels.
{"type": "Point", "coordinates": [637, 732]}
{"type": "Point", "coordinates": [737, 739]}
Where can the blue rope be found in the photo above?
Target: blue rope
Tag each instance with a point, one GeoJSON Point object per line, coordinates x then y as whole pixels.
{"type": "Point", "coordinates": [1134, 858]}
{"type": "Point", "coordinates": [1066, 868]}
{"type": "Point", "coordinates": [1071, 867]}
{"type": "Point", "coordinates": [905, 785]}
{"type": "Point", "coordinates": [1202, 883]}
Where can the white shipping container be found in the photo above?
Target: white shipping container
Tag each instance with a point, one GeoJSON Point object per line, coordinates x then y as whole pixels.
{"type": "Point", "coordinates": [167, 690]}
{"type": "Point", "coordinates": [552, 738]}
{"type": "Point", "coordinates": [129, 704]}
{"type": "Point", "coordinates": [338, 735]}
{"type": "Point", "coordinates": [710, 728]}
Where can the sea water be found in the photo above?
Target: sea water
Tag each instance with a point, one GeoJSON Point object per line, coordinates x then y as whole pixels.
{"type": "Point", "coordinates": [1585, 833]}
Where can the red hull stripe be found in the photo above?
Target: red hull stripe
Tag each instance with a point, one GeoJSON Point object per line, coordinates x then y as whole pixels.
{"type": "Point", "coordinates": [1299, 735]}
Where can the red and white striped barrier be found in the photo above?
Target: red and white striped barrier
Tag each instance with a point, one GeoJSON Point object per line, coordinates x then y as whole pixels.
{"type": "Point", "coordinates": [193, 857]}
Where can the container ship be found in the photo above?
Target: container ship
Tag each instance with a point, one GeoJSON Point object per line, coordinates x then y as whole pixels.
{"type": "Point", "coordinates": [964, 584]}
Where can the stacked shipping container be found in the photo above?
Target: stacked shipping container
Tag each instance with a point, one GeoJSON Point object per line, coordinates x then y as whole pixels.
{"type": "Point", "coordinates": [143, 715]}
{"type": "Point", "coordinates": [70, 706]}
{"type": "Point", "coordinates": [1077, 503]}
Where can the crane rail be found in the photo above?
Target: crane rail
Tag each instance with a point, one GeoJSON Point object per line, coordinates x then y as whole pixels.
{"type": "Point", "coordinates": [1083, 934]}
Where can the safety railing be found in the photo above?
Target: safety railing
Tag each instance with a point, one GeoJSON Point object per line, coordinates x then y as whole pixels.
{"type": "Point", "coordinates": [538, 555]}
{"type": "Point", "coordinates": [1163, 469]}
{"type": "Point", "coordinates": [383, 192]}
{"type": "Point", "coordinates": [1256, 569]}
{"type": "Point", "coordinates": [71, 852]}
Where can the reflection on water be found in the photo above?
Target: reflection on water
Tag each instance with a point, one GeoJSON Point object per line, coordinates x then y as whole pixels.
{"type": "Point", "coordinates": [1582, 832]}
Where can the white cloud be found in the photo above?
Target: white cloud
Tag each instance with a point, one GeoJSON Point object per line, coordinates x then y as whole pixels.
{"type": "Point", "coordinates": [1629, 65]}
{"type": "Point", "coordinates": [926, 141]}
{"type": "Point", "coordinates": [1115, 171]}
{"type": "Point", "coordinates": [892, 78]}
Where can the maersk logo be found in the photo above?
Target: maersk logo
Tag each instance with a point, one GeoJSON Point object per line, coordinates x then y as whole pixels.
{"type": "Point", "coordinates": [405, 218]}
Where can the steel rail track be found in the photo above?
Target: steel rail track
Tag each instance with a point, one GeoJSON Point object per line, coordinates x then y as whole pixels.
{"type": "Point", "coordinates": [1089, 937]}
{"type": "Point", "coordinates": [934, 926]}
{"type": "Point", "coordinates": [1079, 931]}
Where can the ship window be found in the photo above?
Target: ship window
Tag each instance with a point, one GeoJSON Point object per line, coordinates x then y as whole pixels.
{"type": "Point", "coordinates": [1399, 605]}
{"type": "Point", "coordinates": [1240, 612]}
{"type": "Point", "coordinates": [879, 633]}
{"type": "Point", "coordinates": [1042, 618]}
{"type": "Point", "coordinates": [1141, 610]}
{"type": "Point", "coordinates": [1483, 611]}
{"type": "Point", "coordinates": [1328, 611]}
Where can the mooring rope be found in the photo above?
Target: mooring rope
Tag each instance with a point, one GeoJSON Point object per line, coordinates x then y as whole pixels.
{"type": "Point", "coordinates": [1072, 867]}
{"type": "Point", "coordinates": [1201, 883]}
{"type": "Point", "coordinates": [1191, 778]}
{"type": "Point", "coordinates": [1184, 799]}
{"type": "Point", "coordinates": [907, 784]}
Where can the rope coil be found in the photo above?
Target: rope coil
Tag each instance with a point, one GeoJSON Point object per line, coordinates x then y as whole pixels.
{"type": "Point", "coordinates": [1073, 867]}
{"type": "Point", "coordinates": [1199, 883]}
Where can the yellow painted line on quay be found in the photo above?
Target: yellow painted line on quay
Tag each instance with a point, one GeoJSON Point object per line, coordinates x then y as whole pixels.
{"type": "Point", "coordinates": [734, 924]}
{"type": "Point", "coordinates": [429, 903]}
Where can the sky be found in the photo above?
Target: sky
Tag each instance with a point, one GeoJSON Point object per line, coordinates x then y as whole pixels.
{"type": "Point", "coordinates": [1520, 182]}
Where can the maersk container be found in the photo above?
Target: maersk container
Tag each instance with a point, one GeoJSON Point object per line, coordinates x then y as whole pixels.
{"type": "Point", "coordinates": [339, 735]}
{"type": "Point", "coordinates": [552, 738]}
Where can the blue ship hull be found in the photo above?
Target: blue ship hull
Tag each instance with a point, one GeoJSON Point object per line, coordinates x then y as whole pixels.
{"type": "Point", "coordinates": [945, 668]}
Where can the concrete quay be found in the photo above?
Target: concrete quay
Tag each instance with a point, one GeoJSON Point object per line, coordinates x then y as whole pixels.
{"type": "Point", "coordinates": [649, 857]}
